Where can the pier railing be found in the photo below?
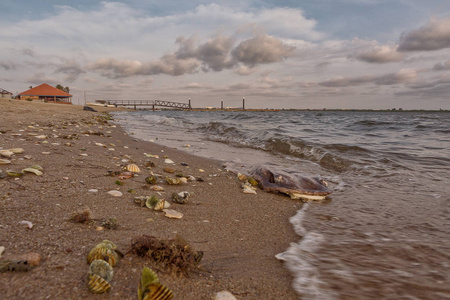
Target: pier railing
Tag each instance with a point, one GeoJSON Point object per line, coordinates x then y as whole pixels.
{"type": "Point", "coordinates": [151, 103]}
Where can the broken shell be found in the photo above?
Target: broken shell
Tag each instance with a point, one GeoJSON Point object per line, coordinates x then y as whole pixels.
{"type": "Point", "coordinates": [2, 249]}
{"type": "Point", "coordinates": [14, 174]}
{"type": "Point", "coordinates": [27, 223]}
{"type": "Point", "coordinates": [17, 150]}
{"type": "Point", "coordinates": [110, 223]}
{"type": "Point", "coordinates": [181, 197]}
{"type": "Point", "coordinates": [248, 188]}
{"type": "Point", "coordinates": [4, 162]}
{"type": "Point", "coordinates": [160, 205]}
{"type": "Point", "coordinates": [169, 161]}
{"type": "Point", "coordinates": [141, 200]}
{"type": "Point", "coordinates": [115, 193]}
{"type": "Point", "coordinates": [37, 167]}
{"type": "Point", "coordinates": [104, 251]}
{"type": "Point", "coordinates": [41, 136]}
{"type": "Point", "coordinates": [31, 170]}
{"type": "Point", "coordinates": [151, 179]}
{"type": "Point", "coordinates": [174, 181]}
{"type": "Point", "coordinates": [172, 214]}
{"type": "Point", "coordinates": [154, 203]}
{"type": "Point", "coordinates": [169, 170]}
{"type": "Point", "coordinates": [6, 153]}
{"type": "Point", "coordinates": [133, 168]}
{"type": "Point", "coordinates": [242, 177]}
{"type": "Point", "coordinates": [157, 188]}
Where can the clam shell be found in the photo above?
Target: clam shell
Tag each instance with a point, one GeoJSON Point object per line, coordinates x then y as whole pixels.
{"type": "Point", "coordinates": [97, 284]}
{"type": "Point", "coordinates": [4, 162]}
{"type": "Point", "coordinates": [17, 150]}
{"type": "Point", "coordinates": [6, 153]}
{"type": "Point", "coordinates": [169, 161]}
{"type": "Point", "coordinates": [102, 269]}
{"type": "Point", "coordinates": [115, 193]}
{"type": "Point", "coordinates": [31, 170]}
{"type": "Point", "coordinates": [133, 168]}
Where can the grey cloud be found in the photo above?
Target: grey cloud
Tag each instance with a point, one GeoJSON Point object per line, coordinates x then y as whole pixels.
{"type": "Point", "coordinates": [380, 55]}
{"type": "Point", "coordinates": [7, 65]}
{"type": "Point", "coordinates": [402, 76]}
{"type": "Point", "coordinates": [442, 66]}
{"type": "Point", "coordinates": [71, 68]}
{"type": "Point", "coordinates": [262, 49]}
{"type": "Point", "coordinates": [216, 54]}
{"type": "Point", "coordinates": [433, 36]}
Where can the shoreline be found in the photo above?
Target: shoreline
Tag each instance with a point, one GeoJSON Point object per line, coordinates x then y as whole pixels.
{"type": "Point", "coordinates": [240, 234]}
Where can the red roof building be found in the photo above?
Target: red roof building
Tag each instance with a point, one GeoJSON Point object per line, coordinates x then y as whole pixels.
{"type": "Point", "coordinates": [47, 93]}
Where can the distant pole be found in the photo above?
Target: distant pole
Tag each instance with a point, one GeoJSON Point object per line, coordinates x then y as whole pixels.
{"type": "Point", "coordinates": [84, 97]}
{"type": "Point", "coordinates": [190, 103]}
{"type": "Point", "coordinates": [221, 105]}
{"type": "Point", "coordinates": [243, 103]}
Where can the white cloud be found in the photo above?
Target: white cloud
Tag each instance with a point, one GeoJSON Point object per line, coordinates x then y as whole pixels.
{"type": "Point", "coordinates": [380, 54]}
{"type": "Point", "coordinates": [433, 36]}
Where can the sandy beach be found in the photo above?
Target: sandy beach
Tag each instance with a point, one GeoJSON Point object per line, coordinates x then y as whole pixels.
{"type": "Point", "coordinates": [240, 234]}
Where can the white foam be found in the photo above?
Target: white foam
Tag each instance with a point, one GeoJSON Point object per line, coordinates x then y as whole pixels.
{"type": "Point", "coordinates": [300, 259]}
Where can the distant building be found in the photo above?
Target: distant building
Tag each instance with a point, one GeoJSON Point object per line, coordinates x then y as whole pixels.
{"type": "Point", "coordinates": [5, 94]}
{"type": "Point", "coordinates": [47, 93]}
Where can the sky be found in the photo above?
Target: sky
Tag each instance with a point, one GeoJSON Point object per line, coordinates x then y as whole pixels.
{"type": "Point", "coordinates": [349, 54]}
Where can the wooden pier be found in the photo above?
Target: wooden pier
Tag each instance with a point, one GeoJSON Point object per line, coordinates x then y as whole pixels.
{"type": "Point", "coordinates": [148, 103]}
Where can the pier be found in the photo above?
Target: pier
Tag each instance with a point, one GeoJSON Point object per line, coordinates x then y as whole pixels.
{"type": "Point", "coordinates": [151, 103]}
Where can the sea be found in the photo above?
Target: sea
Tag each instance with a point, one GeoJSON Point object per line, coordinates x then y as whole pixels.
{"type": "Point", "coordinates": [385, 231]}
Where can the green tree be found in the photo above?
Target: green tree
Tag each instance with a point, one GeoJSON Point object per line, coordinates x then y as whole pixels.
{"type": "Point", "coordinates": [64, 89]}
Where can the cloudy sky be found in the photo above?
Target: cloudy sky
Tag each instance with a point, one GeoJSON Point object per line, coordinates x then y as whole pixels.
{"type": "Point", "coordinates": [275, 53]}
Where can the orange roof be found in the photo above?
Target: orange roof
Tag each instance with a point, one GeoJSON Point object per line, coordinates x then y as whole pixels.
{"type": "Point", "coordinates": [45, 90]}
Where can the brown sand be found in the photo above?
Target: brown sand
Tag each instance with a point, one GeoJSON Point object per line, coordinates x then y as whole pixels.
{"type": "Point", "coordinates": [240, 234]}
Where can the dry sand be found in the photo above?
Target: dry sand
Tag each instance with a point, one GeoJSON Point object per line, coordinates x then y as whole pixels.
{"type": "Point", "coordinates": [240, 234]}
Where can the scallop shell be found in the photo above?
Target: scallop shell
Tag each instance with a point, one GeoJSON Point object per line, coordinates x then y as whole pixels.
{"type": "Point", "coordinates": [104, 251]}
{"type": "Point", "coordinates": [150, 289]}
{"type": "Point", "coordinates": [102, 269]}
{"type": "Point", "coordinates": [133, 168]}
{"type": "Point", "coordinates": [157, 291]}
{"type": "Point", "coordinates": [154, 203]}
{"type": "Point", "coordinates": [98, 285]}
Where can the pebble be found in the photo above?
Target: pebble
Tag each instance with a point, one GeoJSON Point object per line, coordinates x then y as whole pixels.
{"type": "Point", "coordinates": [93, 190]}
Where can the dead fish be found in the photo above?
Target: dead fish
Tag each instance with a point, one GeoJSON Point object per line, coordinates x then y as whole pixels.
{"type": "Point", "coordinates": [294, 185]}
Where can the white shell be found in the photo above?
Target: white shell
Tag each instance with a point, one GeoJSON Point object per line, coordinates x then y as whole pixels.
{"type": "Point", "coordinates": [168, 161]}
{"type": "Point", "coordinates": [4, 162]}
{"type": "Point", "coordinates": [133, 168]}
{"type": "Point", "coordinates": [172, 214]}
{"type": "Point", "coordinates": [17, 150]}
{"type": "Point", "coordinates": [6, 153]}
{"type": "Point", "coordinates": [32, 170]}
{"type": "Point", "coordinates": [115, 193]}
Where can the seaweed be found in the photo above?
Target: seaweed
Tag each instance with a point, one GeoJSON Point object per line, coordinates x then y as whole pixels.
{"type": "Point", "coordinates": [175, 255]}
{"type": "Point", "coordinates": [81, 217]}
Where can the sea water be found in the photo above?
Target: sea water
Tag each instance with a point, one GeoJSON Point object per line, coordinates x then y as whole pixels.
{"type": "Point", "coordinates": [385, 234]}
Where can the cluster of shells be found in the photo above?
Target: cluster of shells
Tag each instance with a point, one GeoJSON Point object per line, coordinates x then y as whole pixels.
{"type": "Point", "coordinates": [150, 288]}
{"type": "Point", "coordinates": [101, 259]}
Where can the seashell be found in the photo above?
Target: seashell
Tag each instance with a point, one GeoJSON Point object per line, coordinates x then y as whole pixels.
{"type": "Point", "coordinates": [14, 174]}
{"type": "Point", "coordinates": [183, 179]}
{"type": "Point", "coordinates": [247, 188]}
{"type": "Point", "coordinates": [97, 284]}
{"type": "Point", "coordinates": [181, 197]}
{"type": "Point", "coordinates": [169, 161]}
{"type": "Point", "coordinates": [126, 175]}
{"type": "Point", "coordinates": [102, 269]}
{"type": "Point", "coordinates": [6, 153]}
{"type": "Point", "coordinates": [150, 288]}
{"type": "Point", "coordinates": [100, 144]}
{"type": "Point", "coordinates": [252, 181]}
{"type": "Point", "coordinates": [154, 203]}
{"type": "Point", "coordinates": [2, 249]}
{"type": "Point", "coordinates": [37, 167]}
{"type": "Point", "coordinates": [133, 168]}
{"type": "Point", "coordinates": [4, 162]}
{"type": "Point", "coordinates": [16, 150]}
{"type": "Point", "coordinates": [31, 170]}
{"type": "Point", "coordinates": [172, 214]}
{"type": "Point", "coordinates": [141, 200]}
{"type": "Point", "coordinates": [27, 223]}
{"type": "Point", "coordinates": [151, 179]}
{"type": "Point", "coordinates": [43, 136]}
{"type": "Point", "coordinates": [157, 188]}
{"type": "Point", "coordinates": [110, 223]}
{"type": "Point", "coordinates": [115, 193]}
{"type": "Point", "coordinates": [174, 181]}
{"type": "Point", "coordinates": [104, 251]}
{"type": "Point", "coordinates": [169, 170]}
{"type": "Point", "coordinates": [242, 177]}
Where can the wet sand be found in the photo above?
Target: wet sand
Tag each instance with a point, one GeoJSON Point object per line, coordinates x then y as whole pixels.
{"type": "Point", "coordinates": [240, 234]}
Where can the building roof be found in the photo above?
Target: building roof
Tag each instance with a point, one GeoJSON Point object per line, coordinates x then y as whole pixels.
{"type": "Point", "coordinates": [4, 92]}
{"type": "Point", "coordinates": [45, 90]}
